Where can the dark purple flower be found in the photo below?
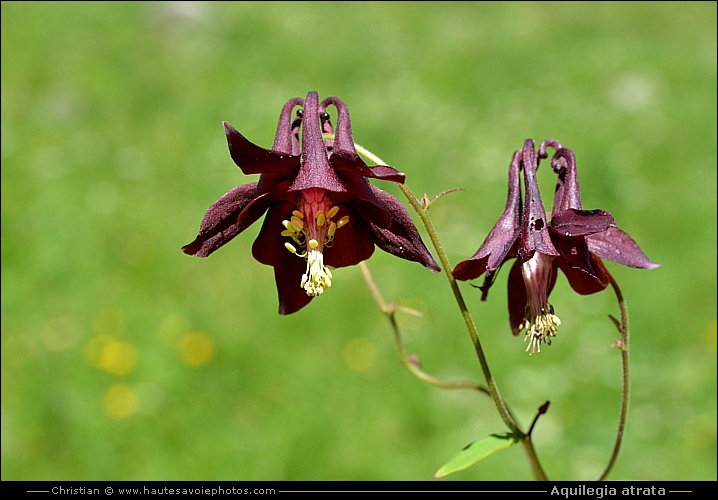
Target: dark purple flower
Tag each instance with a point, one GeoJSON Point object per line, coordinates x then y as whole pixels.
{"type": "Point", "coordinates": [321, 211]}
{"type": "Point", "coordinates": [574, 240]}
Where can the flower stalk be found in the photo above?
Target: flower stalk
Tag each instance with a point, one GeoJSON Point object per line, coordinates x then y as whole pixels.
{"type": "Point", "coordinates": [623, 345]}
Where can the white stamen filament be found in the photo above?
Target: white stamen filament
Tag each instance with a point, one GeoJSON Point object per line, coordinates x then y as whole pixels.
{"type": "Point", "coordinates": [541, 330]}
{"type": "Point", "coordinates": [318, 277]}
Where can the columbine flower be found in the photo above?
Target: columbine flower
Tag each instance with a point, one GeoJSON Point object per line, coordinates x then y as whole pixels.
{"type": "Point", "coordinates": [574, 240]}
{"type": "Point", "coordinates": [568, 220]}
{"type": "Point", "coordinates": [322, 213]}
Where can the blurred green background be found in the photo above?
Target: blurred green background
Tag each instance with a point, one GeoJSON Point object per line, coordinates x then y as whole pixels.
{"type": "Point", "coordinates": [123, 358]}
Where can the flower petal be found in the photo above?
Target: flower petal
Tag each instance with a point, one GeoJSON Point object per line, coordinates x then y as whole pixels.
{"type": "Point", "coordinates": [617, 246]}
{"type": "Point", "coordinates": [315, 170]}
{"type": "Point", "coordinates": [517, 297]}
{"type": "Point", "coordinates": [288, 276]}
{"type": "Point", "coordinates": [583, 281]}
{"type": "Point", "coordinates": [345, 163]}
{"type": "Point", "coordinates": [254, 209]}
{"type": "Point", "coordinates": [361, 196]}
{"type": "Point", "coordinates": [285, 140]}
{"type": "Point", "coordinates": [385, 173]}
{"type": "Point", "coordinates": [219, 223]}
{"type": "Point", "coordinates": [502, 237]}
{"type": "Point", "coordinates": [535, 236]}
{"type": "Point", "coordinates": [572, 222]}
{"type": "Point", "coordinates": [345, 158]}
{"type": "Point", "coordinates": [567, 194]}
{"type": "Point", "coordinates": [585, 273]}
{"type": "Point", "coordinates": [268, 248]}
{"type": "Point", "coordinates": [473, 267]}
{"type": "Point", "coordinates": [352, 244]}
{"type": "Point", "coordinates": [401, 238]}
{"type": "Point", "coordinates": [253, 159]}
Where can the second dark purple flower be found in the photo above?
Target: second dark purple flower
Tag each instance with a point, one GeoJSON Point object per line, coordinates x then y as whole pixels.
{"type": "Point", "coordinates": [574, 241]}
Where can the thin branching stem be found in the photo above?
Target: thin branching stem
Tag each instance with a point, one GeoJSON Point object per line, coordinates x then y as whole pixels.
{"type": "Point", "coordinates": [390, 310]}
{"type": "Point", "coordinates": [468, 320]}
{"type": "Point", "coordinates": [623, 344]}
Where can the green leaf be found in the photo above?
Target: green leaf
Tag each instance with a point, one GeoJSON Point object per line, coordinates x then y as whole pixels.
{"type": "Point", "coordinates": [476, 451]}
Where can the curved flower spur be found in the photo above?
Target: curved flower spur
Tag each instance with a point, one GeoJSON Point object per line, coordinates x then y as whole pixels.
{"type": "Point", "coordinates": [322, 213]}
{"type": "Point", "coordinates": [574, 240]}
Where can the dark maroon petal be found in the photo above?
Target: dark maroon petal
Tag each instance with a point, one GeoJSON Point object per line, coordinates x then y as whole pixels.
{"type": "Point", "coordinates": [343, 139]}
{"type": "Point", "coordinates": [344, 163]}
{"type": "Point", "coordinates": [288, 278]}
{"type": "Point", "coordinates": [567, 193]}
{"type": "Point", "coordinates": [261, 203]}
{"type": "Point", "coordinates": [253, 159]}
{"type": "Point", "coordinates": [617, 246]}
{"type": "Point", "coordinates": [284, 138]}
{"type": "Point", "coordinates": [386, 173]}
{"type": "Point", "coordinates": [585, 273]}
{"type": "Point", "coordinates": [517, 298]}
{"type": "Point", "coordinates": [345, 158]}
{"type": "Point", "coordinates": [534, 230]}
{"type": "Point", "coordinates": [401, 238]}
{"type": "Point", "coordinates": [548, 143]}
{"type": "Point", "coordinates": [218, 225]}
{"type": "Point", "coordinates": [315, 170]}
{"type": "Point", "coordinates": [491, 274]}
{"type": "Point", "coordinates": [360, 196]}
{"type": "Point", "coordinates": [268, 248]}
{"type": "Point", "coordinates": [502, 237]}
{"type": "Point", "coordinates": [470, 269]}
{"type": "Point", "coordinates": [585, 281]}
{"type": "Point", "coordinates": [352, 244]}
{"type": "Point", "coordinates": [572, 222]}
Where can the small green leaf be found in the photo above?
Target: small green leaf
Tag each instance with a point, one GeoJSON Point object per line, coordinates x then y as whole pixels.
{"type": "Point", "coordinates": [476, 451]}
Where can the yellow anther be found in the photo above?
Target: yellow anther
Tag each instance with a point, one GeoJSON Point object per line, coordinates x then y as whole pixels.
{"type": "Point", "coordinates": [293, 226]}
{"type": "Point", "coordinates": [310, 240]}
{"type": "Point", "coordinates": [343, 221]}
{"type": "Point", "coordinates": [317, 277]}
{"type": "Point", "coordinates": [540, 329]}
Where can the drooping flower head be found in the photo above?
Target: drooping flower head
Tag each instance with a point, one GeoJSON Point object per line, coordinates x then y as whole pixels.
{"type": "Point", "coordinates": [574, 241]}
{"type": "Point", "coordinates": [321, 211]}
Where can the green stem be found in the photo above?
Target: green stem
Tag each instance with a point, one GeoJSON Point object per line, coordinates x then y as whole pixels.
{"type": "Point", "coordinates": [626, 389]}
{"type": "Point", "coordinates": [390, 310]}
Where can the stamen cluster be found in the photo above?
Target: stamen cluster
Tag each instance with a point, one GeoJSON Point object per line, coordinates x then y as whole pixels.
{"type": "Point", "coordinates": [574, 241]}
{"type": "Point", "coordinates": [313, 237]}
